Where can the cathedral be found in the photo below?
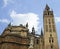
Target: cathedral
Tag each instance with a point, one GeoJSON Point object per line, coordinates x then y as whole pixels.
{"type": "Point", "coordinates": [19, 37]}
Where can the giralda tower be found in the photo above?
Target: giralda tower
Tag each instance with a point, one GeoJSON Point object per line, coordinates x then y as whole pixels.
{"type": "Point", "coordinates": [50, 34]}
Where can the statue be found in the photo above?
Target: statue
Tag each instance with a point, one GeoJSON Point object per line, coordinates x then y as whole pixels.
{"type": "Point", "coordinates": [31, 43]}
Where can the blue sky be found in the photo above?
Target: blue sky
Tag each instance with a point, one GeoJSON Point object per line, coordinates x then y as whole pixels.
{"type": "Point", "coordinates": [31, 11]}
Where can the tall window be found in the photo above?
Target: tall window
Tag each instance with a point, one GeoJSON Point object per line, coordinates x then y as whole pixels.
{"type": "Point", "coordinates": [48, 13]}
{"type": "Point", "coordinates": [50, 26]}
{"type": "Point", "coordinates": [46, 28]}
{"type": "Point", "coordinates": [53, 21]}
{"type": "Point", "coordinates": [46, 21]}
{"type": "Point", "coordinates": [54, 28]}
{"type": "Point", "coordinates": [50, 35]}
{"type": "Point", "coordinates": [50, 30]}
{"type": "Point", "coordinates": [51, 40]}
{"type": "Point", "coordinates": [49, 21]}
{"type": "Point", "coordinates": [51, 46]}
{"type": "Point", "coordinates": [37, 41]}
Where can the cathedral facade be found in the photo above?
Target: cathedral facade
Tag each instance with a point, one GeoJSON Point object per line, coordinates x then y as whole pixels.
{"type": "Point", "coordinates": [19, 37]}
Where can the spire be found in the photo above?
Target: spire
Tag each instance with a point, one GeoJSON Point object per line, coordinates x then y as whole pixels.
{"type": "Point", "coordinates": [33, 27]}
{"type": "Point", "coordinates": [41, 32]}
{"type": "Point", "coordinates": [33, 30]}
{"type": "Point", "coordinates": [9, 24]}
{"type": "Point", "coordinates": [27, 25]}
{"type": "Point", "coordinates": [47, 7]}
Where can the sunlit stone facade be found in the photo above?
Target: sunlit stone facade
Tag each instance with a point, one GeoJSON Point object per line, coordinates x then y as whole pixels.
{"type": "Point", "coordinates": [19, 37]}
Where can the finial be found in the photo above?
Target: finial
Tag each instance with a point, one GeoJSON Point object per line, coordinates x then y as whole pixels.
{"type": "Point", "coordinates": [41, 32]}
{"type": "Point", "coordinates": [21, 25]}
{"type": "Point", "coordinates": [27, 25]}
{"type": "Point", "coordinates": [9, 24]}
{"type": "Point", "coordinates": [33, 30]}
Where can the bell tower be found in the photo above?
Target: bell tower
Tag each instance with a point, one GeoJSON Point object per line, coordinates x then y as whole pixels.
{"type": "Point", "coordinates": [50, 34]}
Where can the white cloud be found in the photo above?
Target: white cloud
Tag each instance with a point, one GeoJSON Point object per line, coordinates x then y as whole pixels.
{"type": "Point", "coordinates": [31, 18]}
{"type": "Point", "coordinates": [4, 21]}
{"type": "Point", "coordinates": [6, 2]}
{"type": "Point", "coordinates": [57, 19]}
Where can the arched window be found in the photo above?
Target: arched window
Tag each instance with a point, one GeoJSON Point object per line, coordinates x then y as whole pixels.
{"type": "Point", "coordinates": [37, 41]}
{"type": "Point", "coordinates": [51, 40]}
{"type": "Point", "coordinates": [51, 46]}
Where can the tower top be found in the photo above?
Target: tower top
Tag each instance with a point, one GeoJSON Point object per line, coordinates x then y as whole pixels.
{"type": "Point", "coordinates": [47, 7]}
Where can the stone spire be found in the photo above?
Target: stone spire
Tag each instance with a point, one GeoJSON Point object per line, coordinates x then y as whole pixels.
{"type": "Point", "coordinates": [33, 30]}
{"type": "Point", "coordinates": [9, 24]}
{"type": "Point", "coordinates": [27, 25]}
{"type": "Point", "coordinates": [41, 32]}
{"type": "Point", "coordinates": [47, 8]}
